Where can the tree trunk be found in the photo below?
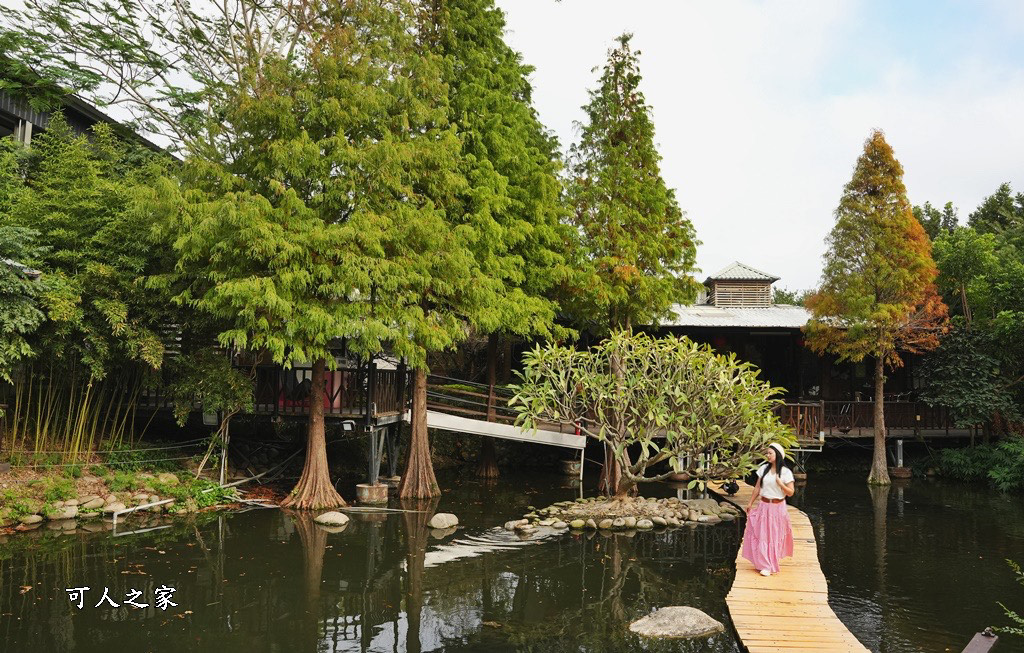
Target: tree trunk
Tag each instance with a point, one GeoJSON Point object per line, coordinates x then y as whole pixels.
{"type": "Point", "coordinates": [418, 480]}
{"type": "Point", "coordinates": [487, 463]}
{"type": "Point", "coordinates": [626, 488]}
{"type": "Point", "coordinates": [611, 473]}
{"type": "Point", "coordinates": [879, 465]}
{"type": "Point", "coordinates": [611, 481]}
{"type": "Point", "coordinates": [314, 489]}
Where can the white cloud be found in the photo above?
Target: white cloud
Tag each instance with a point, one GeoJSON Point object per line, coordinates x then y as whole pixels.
{"type": "Point", "coordinates": [758, 127]}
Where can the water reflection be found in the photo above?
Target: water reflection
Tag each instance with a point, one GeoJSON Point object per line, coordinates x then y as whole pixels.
{"type": "Point", "coordinates": [918, 566]}
{"type": "Point", "coordinates": [273, 581]}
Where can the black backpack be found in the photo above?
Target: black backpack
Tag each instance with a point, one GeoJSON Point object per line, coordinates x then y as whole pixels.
{"type": "Point", "coordinates": [751, 478]}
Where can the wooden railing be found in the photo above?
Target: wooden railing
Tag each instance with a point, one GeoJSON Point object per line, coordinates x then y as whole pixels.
{"type": "Point", "coordinates": [858, 417]}
{"type": "Point", "coordinates": [277, 391]}
{"type": "Point", "coordinates": [804, 418]}
{"type": "Point", "coordinates": [846, 416]}
{"type": "Point", "coordinates": [469, 399]}
{"type": "Point", "coordinates": [287, 392]}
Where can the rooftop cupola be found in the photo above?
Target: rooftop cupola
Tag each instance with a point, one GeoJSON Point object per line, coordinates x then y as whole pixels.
{"type": "Point", "coordinates": [740, 286]}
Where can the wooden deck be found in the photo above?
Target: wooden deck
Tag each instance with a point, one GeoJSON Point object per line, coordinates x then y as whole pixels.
{"type": "Point", "coordinates": [787, 612]}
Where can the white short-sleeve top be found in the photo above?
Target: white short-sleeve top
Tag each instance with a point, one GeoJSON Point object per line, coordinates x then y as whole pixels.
{"type": "Point", "coordinates": [769, 488]}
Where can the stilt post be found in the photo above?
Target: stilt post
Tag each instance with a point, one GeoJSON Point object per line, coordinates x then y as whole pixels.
{"type": "Point", "coordinates": [369, 418]}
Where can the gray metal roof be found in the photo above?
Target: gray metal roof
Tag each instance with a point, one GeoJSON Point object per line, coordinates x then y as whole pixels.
{"type": "Point", "coordinates": [779, 316]}
{"type": "Point", "coordinates": [737, 271]}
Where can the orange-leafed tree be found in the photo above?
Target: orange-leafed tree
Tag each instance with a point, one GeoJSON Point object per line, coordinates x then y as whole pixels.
{"type": "Point", "coordinates": [877, 297]}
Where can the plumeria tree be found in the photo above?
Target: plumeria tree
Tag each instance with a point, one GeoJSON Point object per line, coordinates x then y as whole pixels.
{"type": "Point", "coordinates": [654, 400]}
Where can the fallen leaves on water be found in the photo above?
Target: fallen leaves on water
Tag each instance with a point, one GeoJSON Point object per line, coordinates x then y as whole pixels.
{"type": "Point", "coordinates": [490, 624]}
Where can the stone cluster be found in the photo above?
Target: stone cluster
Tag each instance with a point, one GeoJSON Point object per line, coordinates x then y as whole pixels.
{"type": "Point", "coordinates": [65, 515]}
{"type": "Point", "coordinates": [623, 514]}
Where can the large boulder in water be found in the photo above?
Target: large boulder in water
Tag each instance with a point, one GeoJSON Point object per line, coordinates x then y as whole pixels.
{"type": "Point", "coordinates": [676, 622]}
{"type": "Point", "coordinates": [331, 519]}
{"type": "Point", "coordinates": [443, 520]}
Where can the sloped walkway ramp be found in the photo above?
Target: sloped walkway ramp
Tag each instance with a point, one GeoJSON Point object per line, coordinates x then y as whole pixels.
{"type": "Point", "coordinates": [446, 422]}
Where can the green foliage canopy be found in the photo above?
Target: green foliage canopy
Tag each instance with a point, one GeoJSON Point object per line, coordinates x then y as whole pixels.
{"type": "Point", "coordinates": [509, 160]}
{"type": "Point", "coordinates": [877, 295]}
{"type": "Point", "coordinates": [639, 247]}
{"type": "Point", "coordinates": [677, 401]}
{"type": "Point", "coordinates": [20, 313]}
{"type": "Point", "coordinates": [934, 221]}
{"type": "Point", "coordinates": [93, 247]}
{"type": "Point", "coordinates": [964, 374]}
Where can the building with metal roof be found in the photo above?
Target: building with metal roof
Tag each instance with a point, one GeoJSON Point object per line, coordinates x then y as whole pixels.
{"type": "Point", "coordinates": [776, 316]}
{"type": "Point", "coordinates": [735, 314]}
{"type": "Point", "coordinates": [737, 271]}
{"type": "Point", "coordinates": [20, 120]}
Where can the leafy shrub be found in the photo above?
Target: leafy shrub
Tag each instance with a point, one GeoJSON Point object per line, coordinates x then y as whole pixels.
{"type": "Point", "coordinates": [58, 489]}
{"type": "Point", "coordinates": [122, 481]}
{"type": "Point", "coordinates": [44, 460]}
{"type": "Point", "coordinates": [999, 464]}
{"type": "Point", "coordinates": [1011, 614]}
{"type": "Point", "coordinates": [14, 503]}
{"type": "Point", "coordinates": [199, 490]}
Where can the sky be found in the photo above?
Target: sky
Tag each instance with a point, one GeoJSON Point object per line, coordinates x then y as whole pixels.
{"type": "Point", "coordinates": [761, 107]}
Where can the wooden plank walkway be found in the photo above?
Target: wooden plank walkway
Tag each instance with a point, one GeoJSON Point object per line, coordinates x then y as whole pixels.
{"type": "Point", "coordinates": [786, 612]}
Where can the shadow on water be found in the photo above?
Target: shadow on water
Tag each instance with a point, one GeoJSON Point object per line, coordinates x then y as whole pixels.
{"type": "Point", "coordinates": [271, 580]}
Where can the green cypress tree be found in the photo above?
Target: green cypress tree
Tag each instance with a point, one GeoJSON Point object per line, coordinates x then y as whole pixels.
{"type": "Point", "coordinates": [638, 248]}
{"type": "Point", "coordinates": [877, 296]}
{"type": "Point", "coordinates": [511, 163]}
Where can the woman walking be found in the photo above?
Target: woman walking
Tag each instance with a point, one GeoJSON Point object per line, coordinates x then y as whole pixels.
{"type": "Point", "coordinates": [769, 537]}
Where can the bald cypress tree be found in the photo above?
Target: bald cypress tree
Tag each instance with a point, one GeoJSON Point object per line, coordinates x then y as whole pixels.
{"type": "Point", "coordinates": [877, 297]}
{"type": "Point", "coordinates": [638, 248]}
{"type": "Point", "coordinates": [332, 196]}
{"type": "Point", "coordinates": [511, 163]}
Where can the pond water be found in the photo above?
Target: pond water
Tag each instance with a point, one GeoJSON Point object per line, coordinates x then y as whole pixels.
{"type": "Point", "coordinates": [916, 568]}
{"type": "Point", "coordinates": [267, 580]}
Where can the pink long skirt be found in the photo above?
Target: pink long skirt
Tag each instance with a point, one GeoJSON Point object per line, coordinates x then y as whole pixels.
{"type": "Point", "coordinates": [768, 537]}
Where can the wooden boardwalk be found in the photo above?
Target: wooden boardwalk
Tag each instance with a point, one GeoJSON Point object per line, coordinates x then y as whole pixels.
{"type": "Point", "coordinates": [786, 612]}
